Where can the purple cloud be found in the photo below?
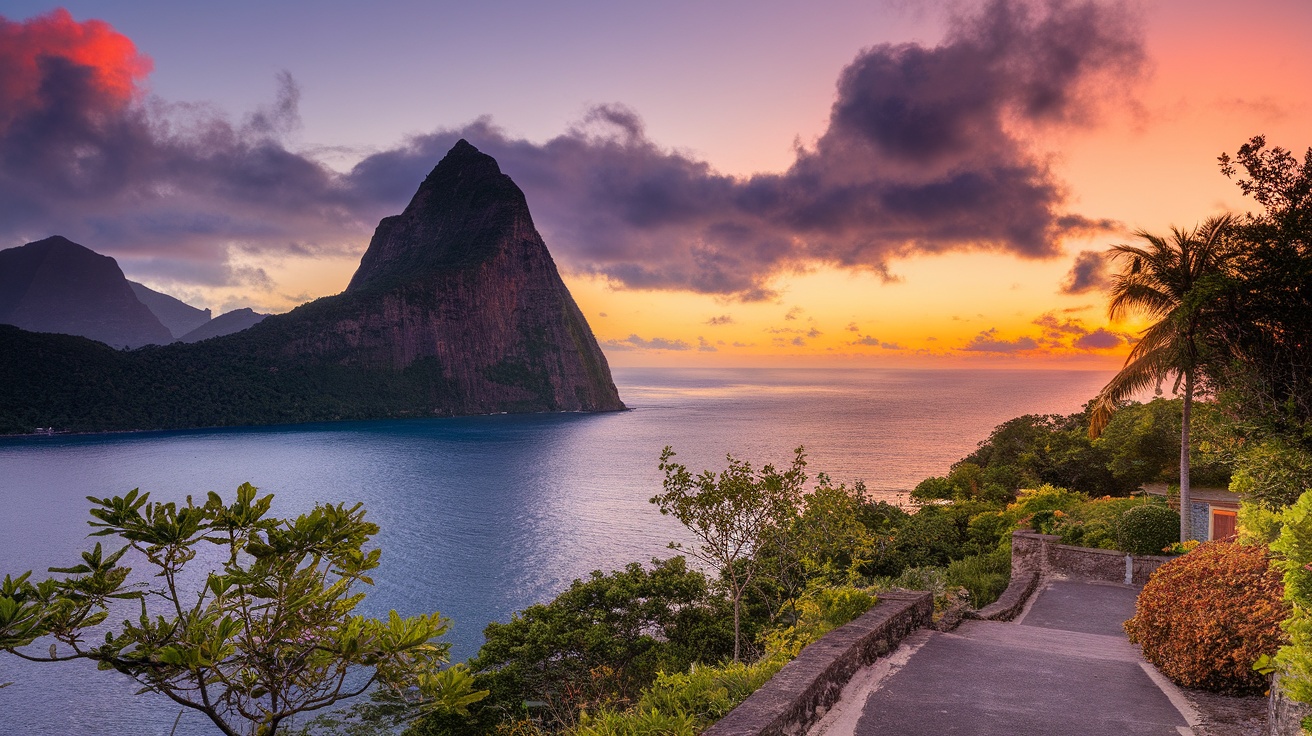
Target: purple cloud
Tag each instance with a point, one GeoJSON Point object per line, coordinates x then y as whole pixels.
{"type": "Point", "coordinates": [1099, 339]}
{"type": "Point", "coordinates": [989, 342]}
{"type": "Point", "coordinates": [920, 155]}
{"type": "Point", "coordinates": [1089, 273]}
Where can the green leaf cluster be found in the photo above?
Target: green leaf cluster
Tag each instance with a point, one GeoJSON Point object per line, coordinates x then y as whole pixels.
{"type": "Point", "coordinates": [269, 634]}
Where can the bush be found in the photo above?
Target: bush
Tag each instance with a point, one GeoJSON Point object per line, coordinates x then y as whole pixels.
{"type": "Point", "coordinates": [1147, 530]}
{"type": "Point", "coordinates": [984, 576]}
{"type": "Point", "coordinates": [1293, 551]}
{"type": "Point", "coordinates": [1206, 617]}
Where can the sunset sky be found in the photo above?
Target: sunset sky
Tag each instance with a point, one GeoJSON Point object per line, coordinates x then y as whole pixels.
{"type": "Point", "coordinates": [729, 183]}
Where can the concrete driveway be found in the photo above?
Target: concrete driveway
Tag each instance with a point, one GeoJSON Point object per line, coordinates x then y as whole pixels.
{"type": "Point", "coordinates": [1064, 667]}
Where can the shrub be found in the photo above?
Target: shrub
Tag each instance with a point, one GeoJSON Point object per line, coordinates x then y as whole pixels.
{"type": "Point", "coordinates": [1294, 557]}
{"type": "Point", "coordinates": [1206, 617]}
{"type": "Point", "coordinates": [1258, 524]}
{"type": "Point", "coordinates": [1147, 530]}
{"type": "Point", "coordinates": [989, 531]}
{"type": "Point", "coordinates": [984, 576]}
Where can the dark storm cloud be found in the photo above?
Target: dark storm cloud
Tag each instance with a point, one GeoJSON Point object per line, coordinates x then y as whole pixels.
{"type": "Point", "coordinates": [922, 153]}
{"type": "Point", "coordinates": [85, 154]}
{"type": "Point", "coordinates": [1088, 274]}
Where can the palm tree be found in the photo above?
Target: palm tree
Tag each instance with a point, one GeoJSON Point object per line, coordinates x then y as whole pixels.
{"type": "Point", "coordinates": [1166, 280]}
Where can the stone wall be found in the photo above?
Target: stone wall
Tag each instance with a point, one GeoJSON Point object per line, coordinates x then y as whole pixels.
{"type": "Point", "coordinates": [808, 686]}
{"type": "Point", "coordinates": [1284, 717]}
{"type": "Point", "coordinates": [1046, 554]}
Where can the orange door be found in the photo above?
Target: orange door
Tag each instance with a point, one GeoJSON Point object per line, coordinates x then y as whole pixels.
{"type": "Point", "coordinates": [1223, 525]}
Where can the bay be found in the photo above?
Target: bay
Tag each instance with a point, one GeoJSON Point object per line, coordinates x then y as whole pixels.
{"type": "Point", "coordinates": [483, 516]}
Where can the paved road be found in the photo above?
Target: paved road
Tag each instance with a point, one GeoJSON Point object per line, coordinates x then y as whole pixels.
{"type": "Point", "coordinates": [1065, 667]}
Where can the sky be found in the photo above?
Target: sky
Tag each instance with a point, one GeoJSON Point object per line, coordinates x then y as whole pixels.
{"type": "Point", "coordinates": [833, 183]}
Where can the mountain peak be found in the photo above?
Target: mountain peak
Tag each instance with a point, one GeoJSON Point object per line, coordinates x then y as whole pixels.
{"type": "Point", "coordinates": [56, 285]}
{"type": "Point", "coordinates": [464, 213]}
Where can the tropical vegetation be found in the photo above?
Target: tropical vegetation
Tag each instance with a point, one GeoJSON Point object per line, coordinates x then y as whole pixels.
{"type": "Point", "coordinates": [268, 632]}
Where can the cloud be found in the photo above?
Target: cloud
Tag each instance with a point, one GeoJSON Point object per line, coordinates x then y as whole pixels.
{"type": "Point", "coordinates": [875, 342]}
{"type": "Point", "coordinates": [923, 153]}
{"type": "Point", "coordinates": [1099, 339]}
{"type": "Point", "coordinates": [1088, 274]}
{"type": "Point", "coordinates": [794, 313]}
{"type": "Point", "coordinates": [705, 346]}
{"type": "Point", "coordinates": [1057, 328]}
{"type": "Point", "coordinates": [814, 333]}
{"type": "Point", "coordinates": [799, 342]}
{"type": "Point", "coordinates": [178, 189]}
{"type": "Point", "coordinates": [989, 342]}
{"type": "Point", "coordinates": [723, 319]}
{"type": "Point", "coordinates": [851, 327]}
{"type": "Point", "coordinates": [634, 342]}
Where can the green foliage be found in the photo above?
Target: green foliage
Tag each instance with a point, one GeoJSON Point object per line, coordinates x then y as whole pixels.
{"type": "Point", "coordinates": [1265, 332]}
{"type": "Point", "coordinates": [1206, 617]}
{"type": "Point", "coordinates": [687, 702]}
{"type": "Point", "coordinates": [1258, 524]}
{"type": "Point", "coordinates": [683, 703]}
{"type": "Point", "coordinates": [932, 536]}
{"type": "Point", "coordinates": [1143, 442]}
{"type": "Point", "coordinates": [1293, 551]}
{"type": "Point", "coordinates": [989, 531]}
{"type": "Point", "coordinates": [604, 639]}
{"type": "Point", "coordinates": [1272, 473]}
{"type": "Point", "coordinates": [1096, 522]}
{"type": "Point", "coordinates": [1147, 530]}
{"type": "Point", "coordinates": [983, 576]}
{"type": "Point", "coordinates": [270, 635]}
{"type": "Point", "coordinates": [732, 516]}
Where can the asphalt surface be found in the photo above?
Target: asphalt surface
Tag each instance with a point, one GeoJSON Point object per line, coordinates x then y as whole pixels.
{"type": "Point", "coordinates": [1065, 667]}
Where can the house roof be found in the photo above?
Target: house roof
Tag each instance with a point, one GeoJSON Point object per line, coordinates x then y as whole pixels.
{"type": "Point", "coordinates": [1196, 493]}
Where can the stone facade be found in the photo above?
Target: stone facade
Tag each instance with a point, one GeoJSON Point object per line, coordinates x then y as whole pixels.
{"type": "Point", "coordinates": [1200, 518]}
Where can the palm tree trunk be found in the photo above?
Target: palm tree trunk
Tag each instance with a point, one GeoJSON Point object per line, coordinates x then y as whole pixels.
{"type": "Point", "coordinates": [1186, 507]}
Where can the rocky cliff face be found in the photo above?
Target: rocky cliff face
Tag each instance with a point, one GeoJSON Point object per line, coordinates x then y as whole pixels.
{"type": "Point", "coordinates": [462, 279]}
{"type": "Point", "coordinates": [457, 308]}
{"type": "Point", "coordinates": [56, 285]}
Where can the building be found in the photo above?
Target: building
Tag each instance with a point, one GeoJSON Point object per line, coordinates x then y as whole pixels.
{"type": "Point", "coordinates": [1215, 510]}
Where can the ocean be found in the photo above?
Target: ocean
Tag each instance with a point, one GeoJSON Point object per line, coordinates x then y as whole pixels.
{"type": "Point", "coordinates": [483, 516]}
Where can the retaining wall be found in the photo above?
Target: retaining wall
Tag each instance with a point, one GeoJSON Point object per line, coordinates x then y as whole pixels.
{"type": "Point", "coordinates": [806, 687]}
{"type": "Point", "coordinates": [1045, 554]}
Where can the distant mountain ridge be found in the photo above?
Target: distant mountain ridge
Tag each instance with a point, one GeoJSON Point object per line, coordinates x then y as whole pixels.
{"type": "Point", "coordinates": [56, 285]}
{"type": "Point", "coordinates": [176, 315]}
{"type": "Point", "coordinates": [224, 324]}
{"type": "Point", "coordinates": [457, 308]}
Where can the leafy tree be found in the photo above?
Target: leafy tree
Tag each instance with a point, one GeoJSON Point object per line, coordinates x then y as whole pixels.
{"type": "Point", "coordinates": [1173, 281]}
{"type": "Point", "coordinates": [731, 516]}
{"type": "Point", "coordinates": [603, 640]}
{"type": "Point", "coordinates": [269, 635]}
{"type": "Point", "coordinates": [1265, 330]}
{"type": "Point", "coordinates": [1143, 442]}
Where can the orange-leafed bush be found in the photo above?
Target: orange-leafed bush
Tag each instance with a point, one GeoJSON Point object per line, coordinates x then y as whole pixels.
{"type": "Point", "coordinates": [1205, 618]}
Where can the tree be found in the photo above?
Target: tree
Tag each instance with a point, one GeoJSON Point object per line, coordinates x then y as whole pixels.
{"type": "Point", "coordinates": [270, 634]}
{"type": "Point", "coordinates": [731, 516]}
{"type": "Point", "coordinates": [603, 640]}
{"type": "Point", "coordinates": [1172, 281]}
{"type": "Point", "coordinates": [1265, 328]}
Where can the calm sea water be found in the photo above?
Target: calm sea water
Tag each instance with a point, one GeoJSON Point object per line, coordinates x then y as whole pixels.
{"type": "Point", "coordinates": [483, 516]}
